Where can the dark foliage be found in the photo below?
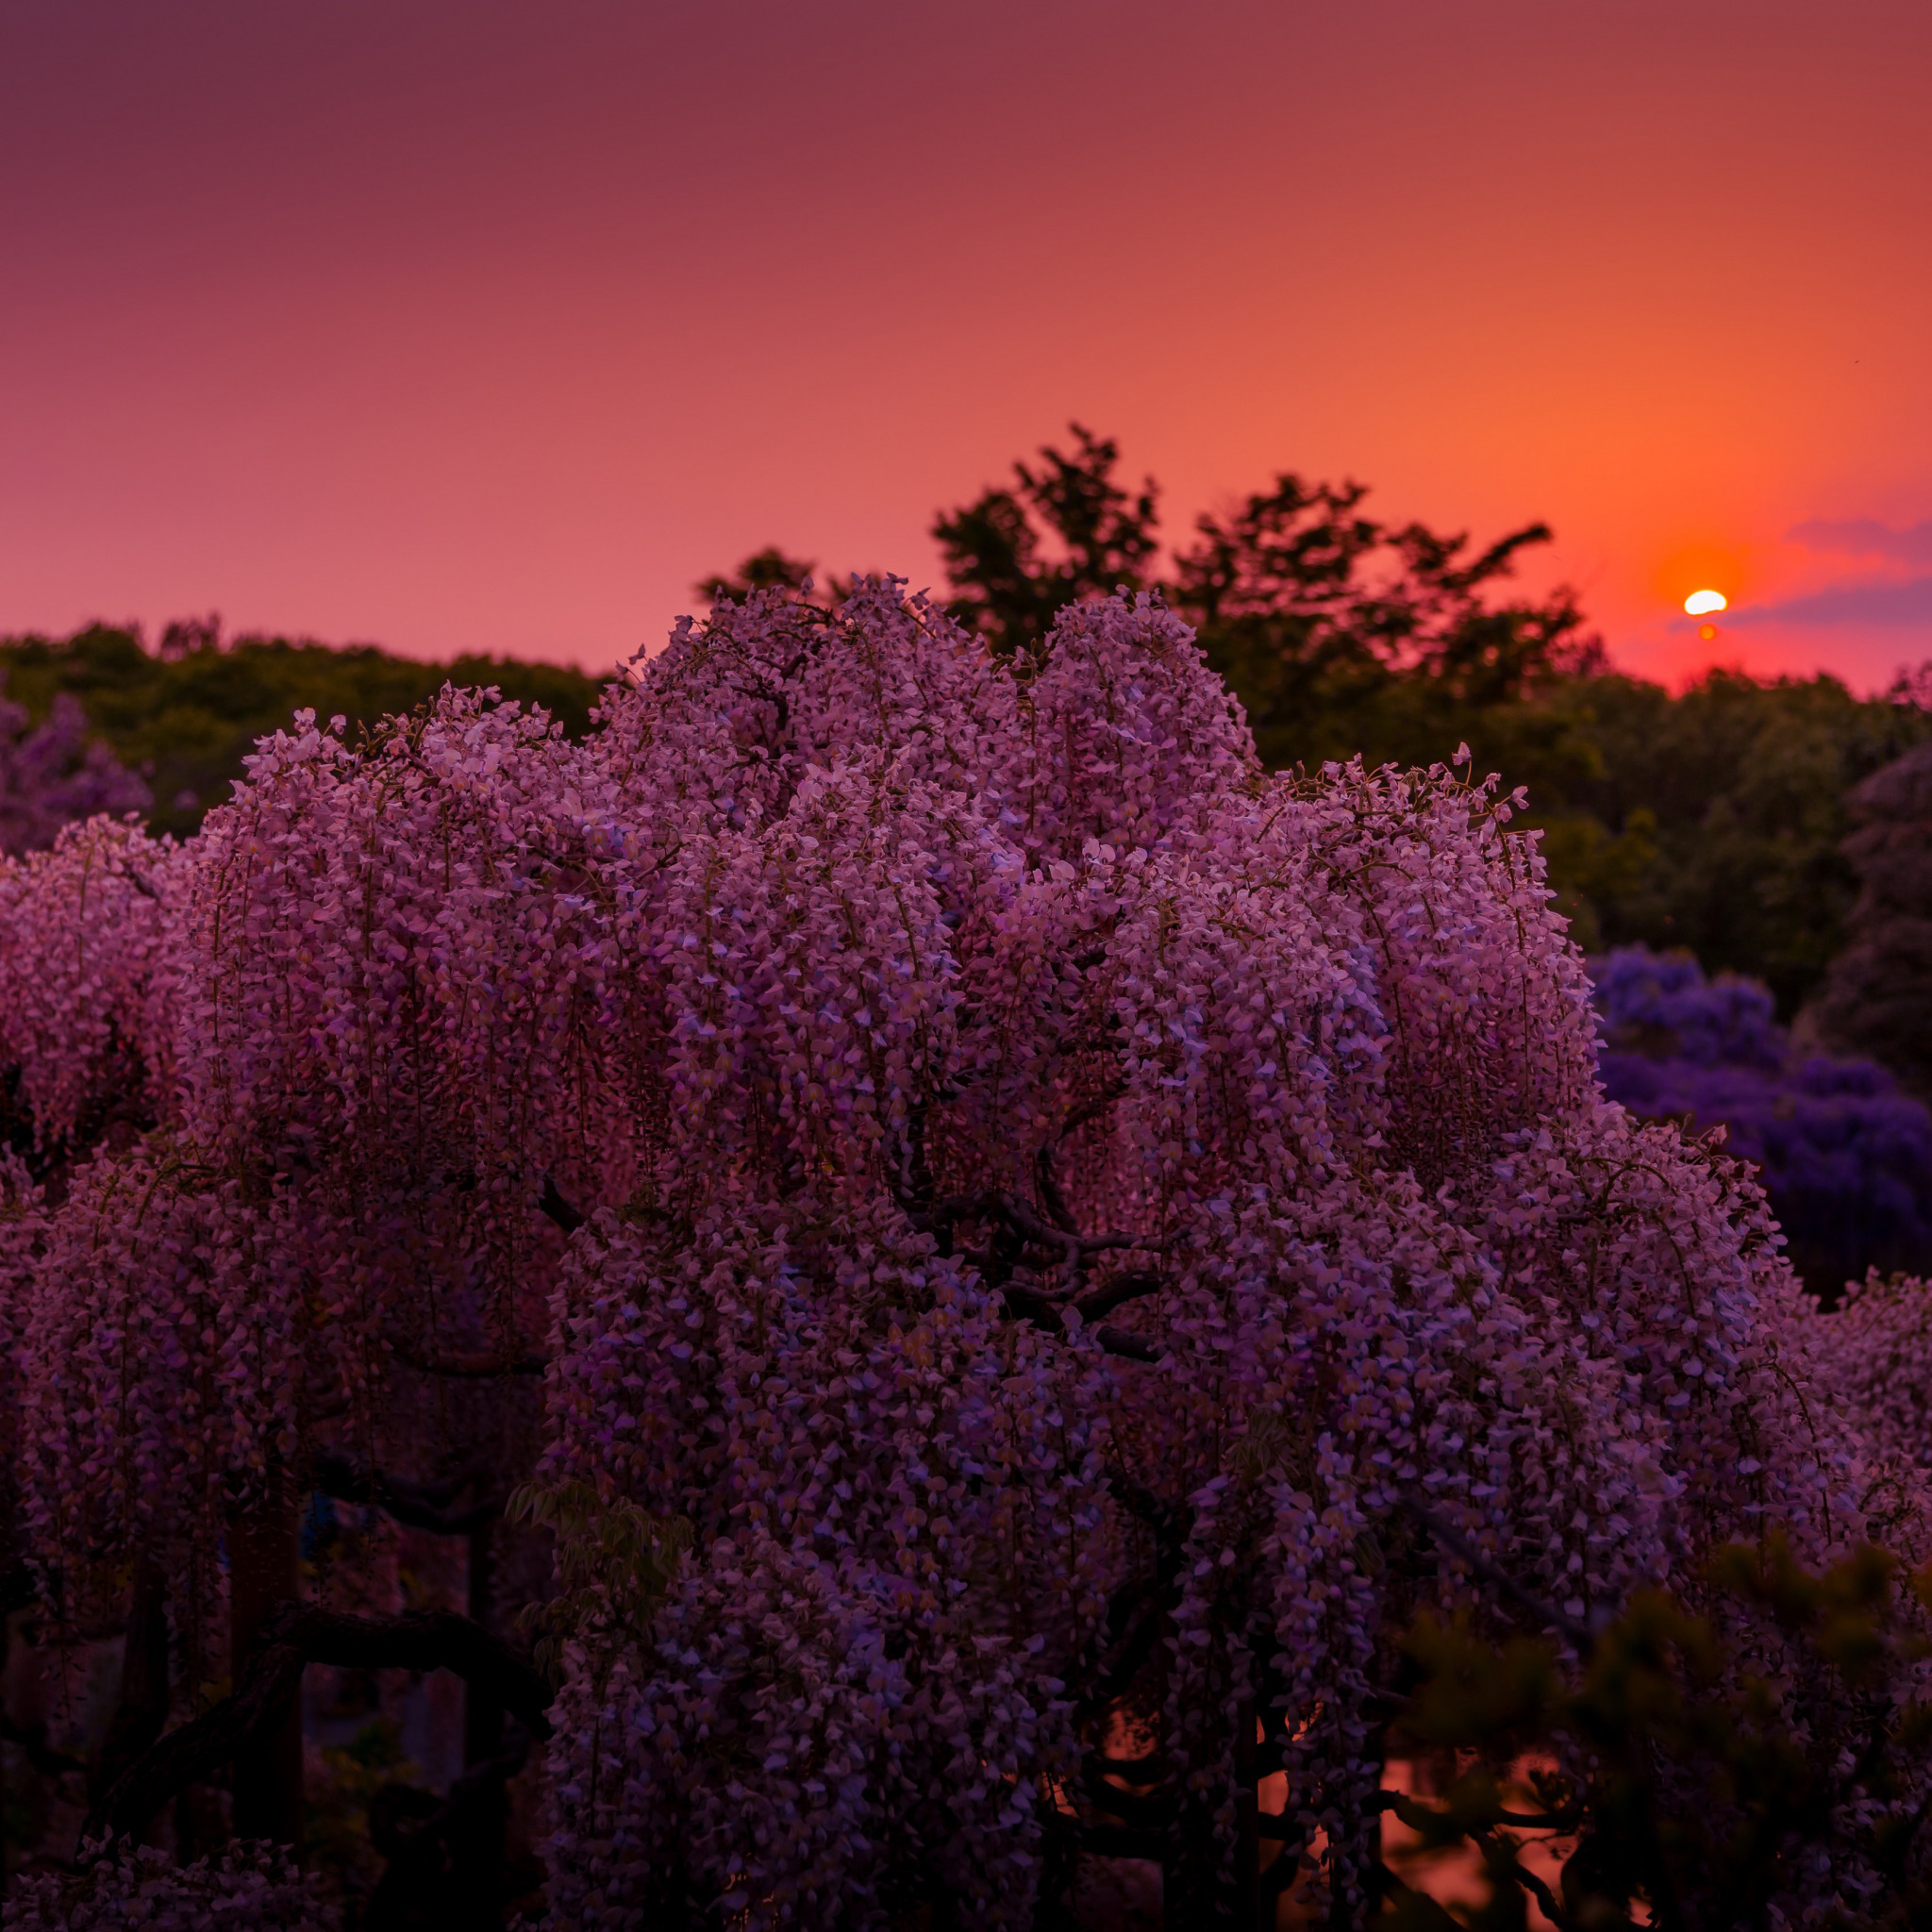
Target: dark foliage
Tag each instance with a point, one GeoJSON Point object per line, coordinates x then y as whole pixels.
{"type": "Point", "coordinates": [184, 715]}
{"type": "Point", "coordinates": [1667, 1783]}
{"type": "Point", "coordinates": [769, 569]}
{"type": "Point", "coordinates": [1877, 997]}
{"type": "Point", "coordinates": [1063, 532]}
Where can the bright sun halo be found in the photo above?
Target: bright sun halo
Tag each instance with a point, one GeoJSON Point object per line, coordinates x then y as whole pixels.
{"type": "Point", "coordinates": [1699, 602]}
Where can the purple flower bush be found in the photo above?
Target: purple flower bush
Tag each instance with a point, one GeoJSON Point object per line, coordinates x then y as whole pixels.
{"type": "Point", "coordinates": [51, 773]}
{"type": "Point", "coordinates": [1047, 1247]}
{"type": "Point", "coordinates": [245, 1888]}
{"type": "Point", "coordinates": [1843, 1157]}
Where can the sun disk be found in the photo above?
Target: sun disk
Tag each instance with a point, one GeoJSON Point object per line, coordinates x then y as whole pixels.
{"type": "Point", "coordinates": [1699, 602]}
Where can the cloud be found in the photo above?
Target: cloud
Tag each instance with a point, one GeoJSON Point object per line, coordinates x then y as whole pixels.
{"type": "Point", "coordinates": [1867, 537]}
{"type": "Point", "coordinates": [1863, 600]}
{"type": "Point", "coordinates": [1909, 602]}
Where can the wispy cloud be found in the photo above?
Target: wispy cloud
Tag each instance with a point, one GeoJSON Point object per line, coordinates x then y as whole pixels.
{"type": "Point", "coordinates": [1909, 602]}
{"type": "Point", "coordinates": [1867, 537]}
{"type": "Point", "coordinates": [1865, 599]}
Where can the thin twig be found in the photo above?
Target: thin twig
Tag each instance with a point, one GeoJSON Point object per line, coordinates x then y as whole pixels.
{"type": "Point", "coordinates": [1459, 1545]}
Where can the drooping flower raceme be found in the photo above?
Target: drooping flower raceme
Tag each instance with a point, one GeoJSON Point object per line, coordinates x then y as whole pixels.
{"type": "Point", "coordinates": [247, 1887]}
{"type": "Point", "coordinates": [90, 971]}
{"type": "Point", "coordinates": [386, 967]}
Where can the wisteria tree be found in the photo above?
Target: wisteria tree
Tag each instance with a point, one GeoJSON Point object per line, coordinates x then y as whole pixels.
{"type": "Point", "coordinates": [1845, 1157]}
{"type": "Point", "coordinates": [1047, 1250]}
{"type": "Point", "coordinates": [52, 773]}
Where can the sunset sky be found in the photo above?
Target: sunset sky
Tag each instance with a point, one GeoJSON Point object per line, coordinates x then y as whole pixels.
{"type": "Point", "coordinates": [466, 324]}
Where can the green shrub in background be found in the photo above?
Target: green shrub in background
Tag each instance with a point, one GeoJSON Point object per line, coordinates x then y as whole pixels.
{"type": "Point", "coordinates": [1713, 820]}
{"type": "Point", "coordinates": [186, 715]}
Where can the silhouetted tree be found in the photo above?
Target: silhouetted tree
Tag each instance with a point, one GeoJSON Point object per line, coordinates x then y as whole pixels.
{"type": "Point", "coordinates": [1325, 620]}
{"type": "Point", "coordinates": [1877, 996]}
{"type": "Point", "coordinates": [1062, 533]}
{"type": "Point", "coordinates": [769, 569]}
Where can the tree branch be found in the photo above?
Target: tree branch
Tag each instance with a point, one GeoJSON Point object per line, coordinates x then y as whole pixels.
{"type": "Point", "coordinates": [293, 1637]}
{"type": "Point", "coordinates": [1029, 1305]}
{"type": "Point", "coordinates": [469, 1364]}
{"type": "Point", "coordinates": [17, 1588]}
{"type": "Point", "coordinates": [422, 1505]}
{"type": "Point", "coordinates": [443, 1854]}
{"type": "Point", "coordinates": [189, 1754]}
{"type": "Point", "coordinates": [1120, 1342]}
{"type": "Point", "coordinates": [144, 1707]}
{"type": "Point", "coordinates": [1286, 1868]}
{"type": "Point", "coordinates": [1122, 1841]}
{"type": "Point", "coordinates": [1050, 1196]}
{"type": "Point", "coordinates": [1117, 1289]}
{"type": "Point", "coordinates": [32, 1739]}
{"type": "Point", "coordinates": [1146, 1811]}
{"type": "Point", "coordinates": [995, 1204]}
{"type": "Point", "coordinates": [552, 1204]}
{"type": "Point", "coordinates": [1283, 1829]}
{"type": "Point", "coordinates": [1504, 1856]}
{"type": "Point", "coordinates": [1459, 1545]}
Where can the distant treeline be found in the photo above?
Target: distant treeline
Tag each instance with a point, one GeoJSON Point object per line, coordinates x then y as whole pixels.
{"type": "Point", "coordinates": [1710, 820]}
{"type": "Point", "coordinates": [185, 714]}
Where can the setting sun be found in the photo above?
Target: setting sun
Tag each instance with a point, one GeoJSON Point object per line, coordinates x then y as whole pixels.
{"type": "Point", "coordinates": [1700, 601]}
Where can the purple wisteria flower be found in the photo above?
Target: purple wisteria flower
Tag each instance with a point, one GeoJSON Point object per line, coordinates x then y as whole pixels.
{"type": "Point", "coordinates": [50, 774]}
{"type": "Point", "coordinates": [1844, 1156]}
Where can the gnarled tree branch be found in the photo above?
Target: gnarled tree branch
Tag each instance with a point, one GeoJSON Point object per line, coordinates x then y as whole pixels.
{"type": "Point", "coordinates": [443, 1854]}
{"type": "Point", "coordinates": [1029, 1305]}
{"type": "Point", "coordinates": [1452, 1539]}
{"type": "Point", "coordinates": [144, 1707]}
{"type": "Point", "coordinates": [469, 1364]}
{"type": "Point", "coordinates": [552, 1204]}
{"type": "Point", "coordinates": [293, 1637]}
{"type": "Point", "coordinates": [422, 1505]}
{"type": "Point", "coordinates": [1145, 1810]}
{"type": "Point", "coordinates": [1117, 1289]}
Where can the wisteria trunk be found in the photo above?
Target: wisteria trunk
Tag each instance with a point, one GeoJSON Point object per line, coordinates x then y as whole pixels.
{"type": "Point", "coordinates": [482, 1710]}
{"type": "Point", "coordinates": [483, 1724]}
{"type": "Point", "coordinates": [265, 1569]}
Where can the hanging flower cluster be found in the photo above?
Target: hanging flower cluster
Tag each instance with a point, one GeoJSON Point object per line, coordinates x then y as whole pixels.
{"type": "Point", "coordinates": [21, 1223]}
{"type": "Point", "coordinates": [51, 773]}
{"type": "Point", "coordinates": [1075, 1238]}
{"type": "Point", "coordinates": [1877, 1353]}
{"type": "Point", "coordinates": [1099, 1193]}
{"type": "Point", "coordinates": [385, 967]}
{"type": "Point", "coordinates": [248, 1885]}
{"type": "Point", "coordinates": [90, 975]}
